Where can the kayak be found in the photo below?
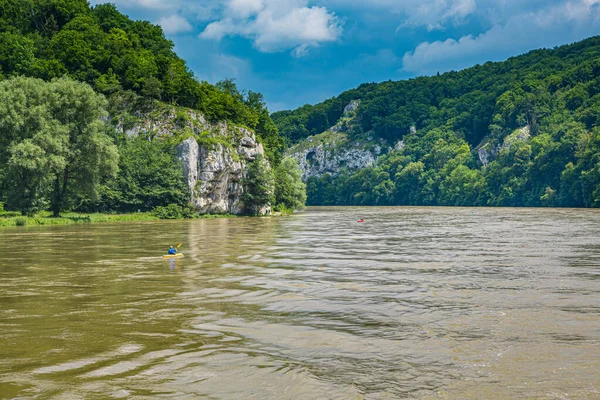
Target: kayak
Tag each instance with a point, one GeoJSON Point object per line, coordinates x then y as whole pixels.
{"type": "Point", "coordinates": [178, 255]}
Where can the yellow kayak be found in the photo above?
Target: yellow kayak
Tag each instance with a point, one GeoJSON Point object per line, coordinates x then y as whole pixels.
{"type": "Point", "coordinates": [178, 255]}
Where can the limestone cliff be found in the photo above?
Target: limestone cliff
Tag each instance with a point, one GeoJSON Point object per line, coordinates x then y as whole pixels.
{"type": "Point", "coordinates": [489, 149]}
{"type": "Point", "coordinates": [341, 147]}
{"type": "Point", "coordinates": [214, 156]}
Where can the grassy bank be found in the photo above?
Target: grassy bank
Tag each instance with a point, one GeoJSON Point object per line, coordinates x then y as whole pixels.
{"type": "Point", "coordinates": [45, 218]}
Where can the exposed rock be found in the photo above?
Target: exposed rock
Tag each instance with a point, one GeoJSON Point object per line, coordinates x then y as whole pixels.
{"type": "Point", "coordinates": [333, 151]}
{"type": "Point", "coordinates": [214, 167]}
{"type": "Point", "coordinates": [484, 156]}
{"type": "Point", "coordinates": [248, 142]}
{"type": "Point", "coordinates": [344, 124]}
{"type": "Point", "coordinates": [488, 153]}
{"type": "Point", "coordinates": [329, 158]}
{"type": "Point", "coordinates": [351, 108]}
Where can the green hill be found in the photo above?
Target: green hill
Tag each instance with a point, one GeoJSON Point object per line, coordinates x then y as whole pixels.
{"type": "Point", "coordinates": [66, 44]}
{"type": "Point", "coordinates": [118, 57]}
{"type": "Point", "coordinates": [467, 149]}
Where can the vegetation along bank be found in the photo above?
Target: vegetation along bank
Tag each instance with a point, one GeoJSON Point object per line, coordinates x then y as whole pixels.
{"type": "Point", "coordinates": [99, 115]}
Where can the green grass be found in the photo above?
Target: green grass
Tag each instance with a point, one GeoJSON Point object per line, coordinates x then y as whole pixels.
{"type": "Point", "coordinates": [69, 218]}
{"type": "Point", "coordinates": [332, 139]}
{"type": "Point", "coordinates": [44, 218]}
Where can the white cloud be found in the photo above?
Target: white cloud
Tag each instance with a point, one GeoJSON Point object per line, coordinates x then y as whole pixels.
{"type": "Point", "coordinates": [432, 14]}
{"type": "Point", "coordinates": [276, 25]}
{"type": "Point", "coordinates": [244, 8]}
{"type": "Point", "coordinates": [175, 24]}
{"type": "Point", "coordinates": [300, 51]}
{"type": "Point", "coordinates": [547, 27]}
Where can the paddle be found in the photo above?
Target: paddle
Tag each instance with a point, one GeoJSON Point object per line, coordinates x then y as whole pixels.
{"type": "Point", "coordinates": [179, 245]}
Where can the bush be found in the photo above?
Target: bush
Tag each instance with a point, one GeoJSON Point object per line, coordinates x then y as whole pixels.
{"type": "Point", "coordinates": [9, 214]}
{"type": "Point", "coordinates": [281, 208]}
{"type": "Point", "coordinates": [175, 211]}
{"type": "Point", "coordinates": [21, 221]}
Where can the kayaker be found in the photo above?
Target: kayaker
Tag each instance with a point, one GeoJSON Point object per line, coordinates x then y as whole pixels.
{"type": "Point", "coordinates": [172, 250]}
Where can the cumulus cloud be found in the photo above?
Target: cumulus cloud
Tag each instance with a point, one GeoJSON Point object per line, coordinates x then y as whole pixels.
{"type": "Point", "coordinates": [276, 25]}
{"type": "Point", "coordinates": [175, 24]}
{"type": "Point", "coordinates": [547, 27]}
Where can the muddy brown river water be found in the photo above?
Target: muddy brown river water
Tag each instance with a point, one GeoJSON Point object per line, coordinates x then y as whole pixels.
{"type": "Point", "coordinates": [426, 303]}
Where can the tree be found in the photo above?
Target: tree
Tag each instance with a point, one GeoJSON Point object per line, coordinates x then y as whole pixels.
{"type": "Point", "coordinates": [150, 175]}
{"type": "Point", "coordinates": [53, 141]}
{"type": "Point", "coordinates": [16, 53]}
{"type": "Point", "coordinates": [258, 186]}
{"type": "Point", "coordinates": [290, 191]}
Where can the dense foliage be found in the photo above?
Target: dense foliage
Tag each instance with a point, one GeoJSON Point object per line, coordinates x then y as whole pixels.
{"type": "Point", "coordinates": [553, 94]}
{"type": "Point", "coordinates": [259, 183]}
{"type": "Point", "coordinates": [150, 175]}
{"type": "Point", "coordinates": [118, 57]}
{"type": "Point", "coordinates": [57, 152]}
{"type": "Point", "coordinates": [52, 143]}
{"type": "Point", "coordinates": [290, 191]}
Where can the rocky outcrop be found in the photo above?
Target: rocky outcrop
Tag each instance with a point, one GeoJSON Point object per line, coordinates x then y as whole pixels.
{"type": "Point", "coordinates": [214, 173]}
{"type": "Point", "coordinates": [318, 156]}
{"type": "Point", "coordinates": [214, 157]}
{"type": "Point", "coordinates": [334, 151]}
{"type": "Point", "coordinates": [345, 123]}
{"type": "Point", "coordinates": [488, 152]}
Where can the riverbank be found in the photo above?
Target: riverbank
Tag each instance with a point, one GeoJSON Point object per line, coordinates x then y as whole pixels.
{"type": "Point", "coordinates": [45, 218]}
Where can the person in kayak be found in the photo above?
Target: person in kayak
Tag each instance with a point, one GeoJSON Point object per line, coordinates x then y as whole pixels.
{"type": "Point", "coordinates": [172, 250]}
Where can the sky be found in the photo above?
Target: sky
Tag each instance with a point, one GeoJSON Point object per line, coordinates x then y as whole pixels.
{"type": "Point", "coordinates": [300, 52]}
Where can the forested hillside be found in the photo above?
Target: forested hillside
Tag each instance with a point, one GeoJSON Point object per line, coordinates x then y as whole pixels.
{"type": "Point", "coordinates": [523, 132]}
{"type": "Point", "coordinates": [132, 70]}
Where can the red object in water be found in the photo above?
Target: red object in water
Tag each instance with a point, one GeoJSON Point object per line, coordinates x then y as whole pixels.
{"type": "Point", "coordinates": [361, 220]}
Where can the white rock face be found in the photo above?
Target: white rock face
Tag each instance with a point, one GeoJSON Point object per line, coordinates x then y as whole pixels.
{"type": "Point", "coordinates": [351, 107]}
{"type": "Point", "coordinates": [342, 125]}
{"type": "Point", "coordinates": [488, 154]}
{"type": "Point", "coordinates": [320, 160]}
{"type": "Point", "coordinates": [329, 155]}
{"type": "Point", "coordinates": [213, 171]}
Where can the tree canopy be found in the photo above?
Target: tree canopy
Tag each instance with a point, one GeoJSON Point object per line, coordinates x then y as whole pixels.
{"type": "Point", "coordinates": [553, 95]}
{"type": "Point", "coordinates": [118, 57]}
{"type": "Point", "coordinates": [52, 142]}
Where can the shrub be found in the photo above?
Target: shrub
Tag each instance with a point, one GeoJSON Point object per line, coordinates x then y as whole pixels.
{"type": "Point", "coordinates": [21, 221]}
{"type": "Point", "coordinates": [181, 119]}
{"type": "Point", "coordinates": [9, 214]}
{"type": "Point", "coordinates": [281, 208]}
{"type": "Point", "coordinates": [175, 211]}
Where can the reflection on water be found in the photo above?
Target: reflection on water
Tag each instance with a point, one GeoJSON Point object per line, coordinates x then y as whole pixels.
{"type": "Point", "coordinates": [412, 303]}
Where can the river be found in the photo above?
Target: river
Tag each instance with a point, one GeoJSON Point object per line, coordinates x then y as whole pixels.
{"type": "Point", "coordinates": [427, 303]}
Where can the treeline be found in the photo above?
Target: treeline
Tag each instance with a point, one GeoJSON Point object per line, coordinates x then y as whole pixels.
{"type": "Point", "coordinates": [552, 94]}
{"type": "Point", "coordinates": [131, 62]}
{"type": "Point", "coordinates": [473, 103]}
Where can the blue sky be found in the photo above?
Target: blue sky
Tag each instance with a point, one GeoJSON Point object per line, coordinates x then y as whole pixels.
{"type": "Point", "coordinates": [299, 51]}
